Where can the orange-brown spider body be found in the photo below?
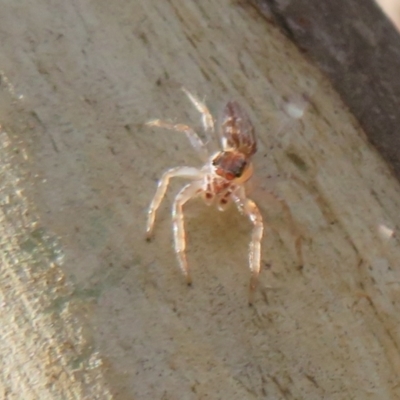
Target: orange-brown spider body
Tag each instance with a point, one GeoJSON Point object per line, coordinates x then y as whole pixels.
{"type": "Point", "coordinates": [228, 169]}
{"type": "Point", "coordinates": [220, 181]}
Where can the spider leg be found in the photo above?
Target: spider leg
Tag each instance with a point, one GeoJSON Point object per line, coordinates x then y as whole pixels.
{"type": "Point", "coordinates": [193, 137]}
{"type": "Point", "coordinates": [183, 172]}
{"type": "Point", "coordinates": [206, 118]}
{"type": "Point", "coordinates": [249, 208]}
{"type": "Point", "coordinates": [188, 192]}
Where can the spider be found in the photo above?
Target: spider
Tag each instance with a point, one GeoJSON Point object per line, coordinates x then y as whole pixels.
{"type": "Point", "coordinates": [220, 181]}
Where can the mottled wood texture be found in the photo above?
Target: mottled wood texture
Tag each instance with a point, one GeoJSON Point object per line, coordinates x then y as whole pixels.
{"type": "Point", "coordinates": [89, 309]}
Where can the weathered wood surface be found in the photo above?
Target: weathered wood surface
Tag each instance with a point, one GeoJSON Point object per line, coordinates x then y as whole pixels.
{"type": "Point", "coordinates": [358, 48]}
{"type": "Point", "coordinates": [89, 309]}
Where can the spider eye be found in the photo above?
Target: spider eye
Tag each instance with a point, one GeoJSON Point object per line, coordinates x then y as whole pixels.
{"type": "Point", "coordinates": [240, 169]}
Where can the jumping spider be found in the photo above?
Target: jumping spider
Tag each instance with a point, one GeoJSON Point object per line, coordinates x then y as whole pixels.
{"type": "Point", "coordinates": [221, 180]}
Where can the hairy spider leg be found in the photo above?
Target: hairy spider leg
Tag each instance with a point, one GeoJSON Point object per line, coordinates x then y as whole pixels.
{"type": "Point", "coordinates": [182, 172]}
{"type": "Point", "coordinates": [188, 192]}
{"type": "Point", "coordinates": [249, 208]}
{"type": "Point", "coordinates": [206, 118]}
{"type": "Point", "coordinates": [193, 137]}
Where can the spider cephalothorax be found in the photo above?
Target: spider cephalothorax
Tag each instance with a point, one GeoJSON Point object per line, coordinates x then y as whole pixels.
{"type": "Point", "coordinates": [228, 170]}
{"type": "Point", "coordinates": [220, 180]}
{"type": "Point", "coordinates": [229, 164]}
